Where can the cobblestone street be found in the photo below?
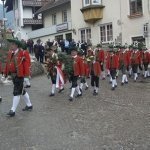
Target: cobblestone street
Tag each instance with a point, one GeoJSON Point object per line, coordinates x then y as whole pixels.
{"type": "Point", "coordinates": [113, 120]}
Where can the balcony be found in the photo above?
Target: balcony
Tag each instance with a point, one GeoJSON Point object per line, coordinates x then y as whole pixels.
{"type": "Point", "coordinates": [92, 13]}
{"type": "Point", "coordinates": [50, 30]}
{"type": "Point", "coordinates": [34, 3]}
{"type": "Point", "coordinates": [28, 21]}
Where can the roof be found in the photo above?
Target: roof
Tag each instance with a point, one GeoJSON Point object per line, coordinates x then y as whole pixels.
{"type": "Point", "coordinates": [52, 4]}
{"type": "Point", "coordinates": [9, 5]}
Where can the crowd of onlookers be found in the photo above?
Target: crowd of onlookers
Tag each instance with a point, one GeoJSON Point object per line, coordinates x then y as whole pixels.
{"type": "Point", "coordinates": [39, 48]}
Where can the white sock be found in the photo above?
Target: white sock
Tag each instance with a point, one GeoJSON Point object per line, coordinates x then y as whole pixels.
{"type": "Point", "coordinates": [126, 79]}
{"type": "Point", "coordinates": [113, 83]}
{"type": "Point", "coordinates": [28, 81]}
{"type": "Point", "coordinates": [108, 72]}
{"type": "Point", "coordinates": [81, 86]}
{"type": "Point", "coordinates": [130, 71]}
{"type": "Point", "coordinates": [110, 79]}
{"type": "Point", "coordinates": [86, 84]}
{"type": "Point", "coordinates": [27, 99]}
{"type": "Point", "coordinates": [78, 90]}
{"type": "Point", "coordinates": [145, 74]}
{"type": "Point", "coordinates": [96, 89]}
{"type": "Point", "coordinates": [16, 100]}
{"type": "Point", "coordinates": [123, 78]}
{"type": "Point", "coordinates": [135, 76]}
{"type": "Point", "coordinates": [53, 88]}
{"type": "Point", "coordinates": [72, 92]}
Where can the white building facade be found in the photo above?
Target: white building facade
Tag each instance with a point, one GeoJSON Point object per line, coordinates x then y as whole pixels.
{"type": "Point", "coordinates": [122, 21]}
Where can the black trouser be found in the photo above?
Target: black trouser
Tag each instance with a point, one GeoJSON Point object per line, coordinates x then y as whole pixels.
{"type": "Point", "coordinates": [123, 69]}
{"type": "Point", "coordinates": [83, 80]}
{"type": "Point", "coordinates": [41, 58]}
{"type": "Point", "coordinates": [94, 81]}
{"type": "Point", "coordinates": [113, 73]}
{"type": "Point", "coordinates": [18, 86]}
{"type": "Point", "coordinates": [53, 79]}
{"type": "Point", "coordinates": [145, 66]}
{"type": "Point", "coordinates": [74, 80]}
{"type": "Point", "coordinates": [134, 68]}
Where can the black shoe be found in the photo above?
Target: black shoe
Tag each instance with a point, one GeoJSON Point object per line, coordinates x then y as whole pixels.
{"type": "Point", "coordinates": [27, 86]}
{"type": "Point", "coordinates": [110, 82]}
{"type": "Point", "coordinates": [86, 88]}
{"type": "Point", "coordinates": [60, 90]}
{"type": "Point", "coordinates": [11, 113]}
{"type": "Point", "coordinates": [113, 88]}
{"type": "Point", "coordinates": [27, 108]}
{"type": "Point", "coordinates": [129, 75]}
{"type": "Point", "coordinates": [79, 95]}
{"type": "Point", "coordinates": [122, 83]}
{"type": "Point", "coordinates": [52, 95]}
{"type": "Point", "coordinates": [95, 93]}
{"type": "Point", "coordinates": [71, 99]}
{"type": "Point", "coordinates": [0, 99]}
{"type": "Point", "coordinates": [126, 82]}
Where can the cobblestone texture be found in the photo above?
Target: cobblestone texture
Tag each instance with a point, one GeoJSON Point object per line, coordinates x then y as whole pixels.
{"type": "Point", "coordinates": [113, 120]}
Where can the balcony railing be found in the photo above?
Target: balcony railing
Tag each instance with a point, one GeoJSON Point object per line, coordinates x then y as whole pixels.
{"type": "Point", "coordinates": [35, 3]}
{"type": "Point", "coordinates": [28, 21]}
{"type": "Point", "coordinates": [48, 31]}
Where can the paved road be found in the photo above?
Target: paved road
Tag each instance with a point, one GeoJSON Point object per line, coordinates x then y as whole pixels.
{"type": "Point", "coordinates": [113, 120]}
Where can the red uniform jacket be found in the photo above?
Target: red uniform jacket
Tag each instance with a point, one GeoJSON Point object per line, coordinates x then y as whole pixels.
{"type": "Point", "coordinates": [135, 58]}
{"type": "Point", "coordinates": [96, 68]}
{"type": "Point", "coordinates": [27, 63]}
{"type": "Point", "coordinates": [123, 59]}
{"type": "Point", "coordinates": [101, 56]}
{"type": "Point", "coordinates": [145, 57]}
{"type": "Point", "coordinates": [78, 67]}
{"type": "Point", "coordinates": [15, 63]}
{"type": "Point", "coordinates": [112, 62]}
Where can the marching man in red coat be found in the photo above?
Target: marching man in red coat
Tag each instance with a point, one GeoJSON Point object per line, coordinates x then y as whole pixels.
{"type": "Point", "coordinates": [78, 70]}
{"type": "Point", "coordinates": [135, 62]}
{"type": "Point", "coordinates": [123, 64]}
{"type": "Point", "coordinates": [15, 67]}
{"type": "Point", "coordinates": [101, 59]}
{"type": "Point", "coordinates": [95, 73]}
{"type": "Point", "coordinates": [113, 64]}
{"type": "Point", "coordinates": [85, 71]}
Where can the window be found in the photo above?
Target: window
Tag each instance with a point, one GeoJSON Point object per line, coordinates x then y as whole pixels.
{"type": "Point", "coordinates": [86, 2]}
{"type": "Point", "coordinates": [106, 33]}
{"type": "Point", "coordinates": [96, 1]}
{"type": "Point", "coordinates": [54, 19]}
{"type": "Point", "coordinates": [85, 35]}
{"type": "Point", "coordinates": [92, 2]}
{"type": "Point", "coordinates": [64, 16]}
{"type": "Point", "coordinates": [135, 7]}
